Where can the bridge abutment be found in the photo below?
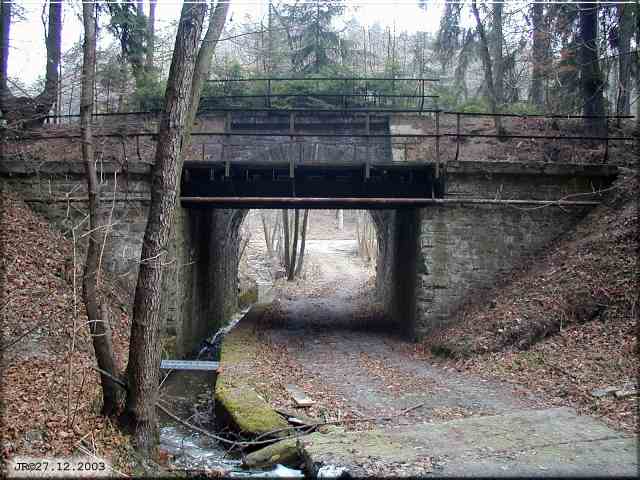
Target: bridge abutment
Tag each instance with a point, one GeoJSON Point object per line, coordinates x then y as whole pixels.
{"type": "Point", "coordinates": [200, 277]}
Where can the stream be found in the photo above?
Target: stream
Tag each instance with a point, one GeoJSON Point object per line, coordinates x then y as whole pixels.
{"type": "Point", "coordinates": [190, 395]}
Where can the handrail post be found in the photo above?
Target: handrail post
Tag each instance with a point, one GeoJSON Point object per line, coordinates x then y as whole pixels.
{"type": "Point", "coordinates": [421, 94]}
{"type": "Point", "coordinates": [269, 93]}
{"type": "Point", "coordinates": [344, 96]}
{"type": "Point", "coordinates": [227, 130]}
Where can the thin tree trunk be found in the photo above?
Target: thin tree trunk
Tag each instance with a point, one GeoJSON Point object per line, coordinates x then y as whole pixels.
{"type": "Point", "coordinates": [340, 219]}
{"type": "Point", "coordinates": [5, 31]}
{"type": "Point", "coordinates": [625, 22]}
{"type": "Point", "coordinates": [144, 348]}
{"type": "Point", "coordinates": [497, 41]}
{"type": "Point", "coordinates": [637, 57]}
{"type": "Point", "coordinates": [96, 313]}
{"type": "Point", "coordinates": [268, 238]}
{"type": "Point", "coordinates": [591, 79]}
{"type": "Point", "coordinates": [536, 93]}
{"type": "Point", "coordinates": [294, 247]}
{"type": "Point", "coordinates": [151, 34]}
{"type": "Point", "coordinates": [217, 17]}
{"type": "Point", "coordinates": [303, 239]}
{"type": "Point", "coordinates": [31, 110]}
{"type": "Point", "coordinates": [285, 226]}
{"type": "Point", "coordinates": [488, 72]}
{"type": "Point", "coordinates": [47, 98]}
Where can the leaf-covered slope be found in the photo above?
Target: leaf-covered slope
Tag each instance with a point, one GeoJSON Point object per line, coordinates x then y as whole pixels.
{"type": "Point", "coordinates": [568, 323]}
{"type": "Point", "coordinates": [50, 395]}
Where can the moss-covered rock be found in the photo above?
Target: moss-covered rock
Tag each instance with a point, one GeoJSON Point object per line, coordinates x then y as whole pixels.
{"type": "Point", "coordinates": [238, 405]}
{"type": "Point", "coordinates": [244, 410]}
{"type": "Point", "coordinates": [285, 452]}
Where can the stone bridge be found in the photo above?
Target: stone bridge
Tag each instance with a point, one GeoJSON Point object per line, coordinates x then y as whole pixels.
{"type": "Point", "coordinates": [442, 247]}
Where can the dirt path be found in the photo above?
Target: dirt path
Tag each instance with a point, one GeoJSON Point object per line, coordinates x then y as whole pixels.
{"type": "Point", "coordinates": [323, 324]}
{"type": "Point", "coordinates": [319, 336]}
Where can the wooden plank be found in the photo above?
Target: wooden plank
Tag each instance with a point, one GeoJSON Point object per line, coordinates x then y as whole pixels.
{"type": "Point", "coordinates": [299, 397]}
{"type": "Point", "coordinates": [626, 392]}
{"type": "Point", "coordinates": [189, 365]}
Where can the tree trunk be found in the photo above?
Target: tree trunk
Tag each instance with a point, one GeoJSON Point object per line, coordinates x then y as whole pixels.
{"type": "Point", "coordinates": [590, 77]}
{"type": "Point", "coordinates": [268, 238]}
{"type": "Point", "coordinates": [217, 18]}
{"type": "Point", "coordinates": [285, 227]}
{"type": "Point", "coordinates": [144, 348]}
{"type": "Point", "coordinates": [294, 248]}
{"type": "Point", "coordinates": [31, 111]}
{"type": "Point", "coordinates": [96, 313]}
{"type": "Point", "coordinates": [488, 71]}
{"type": "Point", "coordinates": [303, 240]}
{"type": "Point", "coordinates": [151, 34]}
{"type": "Point", "coordinates": [340, 219]}
{"type": "Point", "coordinates": [536, 92]}
{"type": "Point", "coordinates": [5, 29]}
{"type": "Point", "coordinates": [47, 98]}
{"type": "Point", "coordinates": [625, 22]}
{"type": "Point", "coordinates": [637, 57]}
{"type": "Point", "coordinates": [497, 41]}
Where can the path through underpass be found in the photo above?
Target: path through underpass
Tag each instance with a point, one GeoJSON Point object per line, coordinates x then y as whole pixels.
{"type": "Point", "coordinates": [457, 424]}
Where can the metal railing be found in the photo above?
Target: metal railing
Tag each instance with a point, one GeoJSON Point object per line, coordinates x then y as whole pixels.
{"type": "Point", "coordinates": [327, 93]}
{"type": "Point", "coordinates": [290, 133]}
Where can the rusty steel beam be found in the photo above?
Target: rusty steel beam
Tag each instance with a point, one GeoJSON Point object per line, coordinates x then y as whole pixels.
{"type": "Point", "coordinates": [357, 202]}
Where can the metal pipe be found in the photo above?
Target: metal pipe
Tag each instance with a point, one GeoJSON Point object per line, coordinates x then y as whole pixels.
{"type": "Point", "coordinates": [387, 202]}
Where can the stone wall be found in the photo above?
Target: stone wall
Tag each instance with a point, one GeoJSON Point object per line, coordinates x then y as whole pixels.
{"type": "Point", "coordinates": [200, 266]}
{"type": "Point", "coordinates": [464, 248]}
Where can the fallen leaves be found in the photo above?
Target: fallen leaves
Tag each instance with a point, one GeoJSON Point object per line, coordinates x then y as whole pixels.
{"type": "Point", "coordinates": [50, 396]}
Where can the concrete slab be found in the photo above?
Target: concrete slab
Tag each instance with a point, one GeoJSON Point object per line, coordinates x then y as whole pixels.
{"type": "Point", "coordinates": [550, 442]}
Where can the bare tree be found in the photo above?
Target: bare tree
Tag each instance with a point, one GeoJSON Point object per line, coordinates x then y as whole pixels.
{"type": "Point", "coordinates": [536, 92]}
{"type": "Point", "coordinates": [285, 229]}
{"type": "Point", "coordinates": [97, 313]}
{"type": "Point", "coordinates": [26, 110]}
{"type": "Point", "coordinates": [217, 18]}
{"type": "Point", "coordinates": [303, 242]}
{"type": "Point", "coordinates": [294, 247]}
{"type": "Point", "coordinates": [292, 258]}
{"type": "Point", "coordinates": [591, 79]}
{"type": "Point", "coordinates": [625, 32]}
{"type": "Point", "coordinates": [189, 67]}
{"type": "Point", "coordinates": [270, 227]}
{"type": "Point", "coordinates": [144, 348]}
{"type": "Point", "coordinates": [492, 92]}
{"type": "Point", "coordinates": [151, 34]}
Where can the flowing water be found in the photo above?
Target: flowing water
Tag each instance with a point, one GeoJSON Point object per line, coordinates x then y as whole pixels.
{"type": "Point", "coordinates": [190, 395]}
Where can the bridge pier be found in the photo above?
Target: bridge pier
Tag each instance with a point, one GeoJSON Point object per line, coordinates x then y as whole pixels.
{"type": "Point", "coordinates": [405, 262]}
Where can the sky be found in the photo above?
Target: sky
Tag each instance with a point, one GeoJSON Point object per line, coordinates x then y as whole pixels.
{"type": "Point", "coordinates": [27, 55]}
